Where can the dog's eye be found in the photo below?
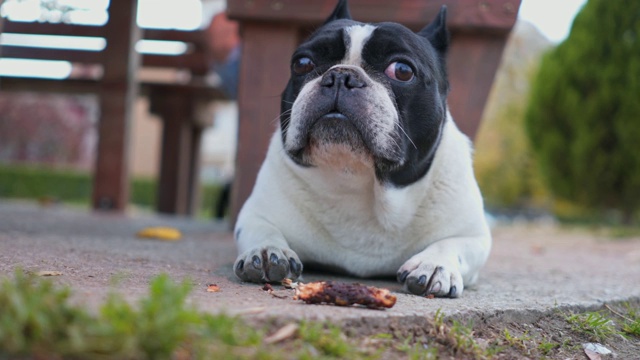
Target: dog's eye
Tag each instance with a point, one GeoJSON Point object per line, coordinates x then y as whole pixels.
{"type": "Point", "coordinates": [399, 71]}
{"type": "Point", "coordinates": [303, 66]}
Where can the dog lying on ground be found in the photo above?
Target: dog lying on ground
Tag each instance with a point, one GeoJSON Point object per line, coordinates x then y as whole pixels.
{"type": "Point", "coordinates": [367, 174]}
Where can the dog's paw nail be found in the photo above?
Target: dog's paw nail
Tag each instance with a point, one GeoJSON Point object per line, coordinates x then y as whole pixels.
{"type": "Point", "coordinates": [416, 285]}
{"type": "Point", "coordinates": [453, 292]}
{"type": "Point", "coordinates": [278, 270]}
{"type": "Point", "coordinates": [257, 263]}
{"type": "Point", "coordinates": [403, 276]}
{"type": "Point", "coordinates": [273, 259]}
{"type": "Point", "coordinates": [295, 267]}
{"type": "Point", "coordinates": [239, 270]}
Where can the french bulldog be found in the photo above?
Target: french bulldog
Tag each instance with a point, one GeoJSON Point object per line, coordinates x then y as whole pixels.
{"type": "Point", "coordinates": [367, 173]}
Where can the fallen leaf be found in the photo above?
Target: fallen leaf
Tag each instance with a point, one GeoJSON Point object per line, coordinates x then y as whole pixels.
{"type": "Point", "coordinates": [283, 333]}
{"type": "Point", "coordinates": [48, 273]}
{"type": "Point", "coordinates": [592, 355]}
{"type": "Point", "coordinates": [213, 288]}
{"type": "Point", "coordinates": [249, 311]}
{"type": "Point", "coordinates": [430, 296]}
{"type": "Point", "coordinates": [160, 233]}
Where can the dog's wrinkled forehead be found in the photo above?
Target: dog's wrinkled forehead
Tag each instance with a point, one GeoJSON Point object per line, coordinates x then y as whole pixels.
{"type": "Point", "coordinates": [352, 35]}
{"type": "Point", "coordinates": [346, 41]}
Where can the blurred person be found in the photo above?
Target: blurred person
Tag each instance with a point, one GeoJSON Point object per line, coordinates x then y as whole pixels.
{"type": "Point", "coordinates": [223, 42]}
{"type": "Point", "coordinates": [223, 49]}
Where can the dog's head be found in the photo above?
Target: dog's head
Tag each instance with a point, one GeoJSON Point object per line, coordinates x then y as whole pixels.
{"type": "Point", "coordinates": [372, 92]}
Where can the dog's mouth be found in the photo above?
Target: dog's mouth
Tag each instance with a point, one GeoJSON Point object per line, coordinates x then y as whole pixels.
{"type": "Point", "coordinates": [333, 129]}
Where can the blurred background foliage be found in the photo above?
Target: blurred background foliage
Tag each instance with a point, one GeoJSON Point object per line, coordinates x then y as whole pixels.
{"type": "Point", "coordinates": [504, 164]}
{"type": "Point", "coordinates": [583, 115]}
{"type": "Point", "coordinates": [561, 132]}
{"type": "Point", "coordinates": [49, 184]}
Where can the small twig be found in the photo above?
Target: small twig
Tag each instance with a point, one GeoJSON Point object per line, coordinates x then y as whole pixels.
{"type": "Point", "coordinates": [277, 296]}
{"type": "Point", "coordinates": [617, 313]}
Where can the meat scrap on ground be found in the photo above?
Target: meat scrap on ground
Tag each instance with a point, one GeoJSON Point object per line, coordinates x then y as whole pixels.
{"type": "Point", "coordinates": [343, 294]}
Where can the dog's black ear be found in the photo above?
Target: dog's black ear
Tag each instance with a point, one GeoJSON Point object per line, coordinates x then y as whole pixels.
{"type": "Point", "coordinates": [340, 12]}
{"type": "Point", "coordinates": [437, 32]}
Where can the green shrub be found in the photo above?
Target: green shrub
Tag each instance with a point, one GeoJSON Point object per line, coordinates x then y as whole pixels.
{"type": "Point", "coordinates": [38, 320]}
{"type": "Point", "coordinates": [37, 182]}
{"type": "Point", "coordinates": [582, 118]}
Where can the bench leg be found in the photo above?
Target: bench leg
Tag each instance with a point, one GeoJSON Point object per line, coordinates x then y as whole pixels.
{"type": "Point", "coordinates": [111, 175]}
{"type": "Point", "coordinates": [180, 153]}
{"type": "Point", "coordinates": [259, 100]}
{"type": "Point", "coordinates": [118, 90]}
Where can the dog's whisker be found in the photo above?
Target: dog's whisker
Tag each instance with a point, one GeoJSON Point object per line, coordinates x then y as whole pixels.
{"type": "Point", "coordinates": [277, 118]}
{"type": "Point", "coordinates": [407, 135]}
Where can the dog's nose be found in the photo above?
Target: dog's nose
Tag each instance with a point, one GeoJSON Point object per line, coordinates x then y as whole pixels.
{"type": "Point", "coordinates": [342, 78]}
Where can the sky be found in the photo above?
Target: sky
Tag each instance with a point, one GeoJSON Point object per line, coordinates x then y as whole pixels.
{"type": "Point", "coordinates": [552, 17]}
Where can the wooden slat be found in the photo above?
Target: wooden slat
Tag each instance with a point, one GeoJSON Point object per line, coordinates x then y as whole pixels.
{"type": "Point", "coordinates": [194, 61]}
{"type": "Point", "coordinates": [487, 15]}
{"type": "Point", "coordinates": [53, 29]}
{"type": "Point", "coordinates": [194, 37]}
{"type": "Point", "coordinates": [77, 56]}
{"type": "Point", "coordinates": [74, 86]}
{"type": "Point", "coordinates": [194, 90]}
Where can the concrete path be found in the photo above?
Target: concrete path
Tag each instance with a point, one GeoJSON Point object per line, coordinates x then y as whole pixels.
{"type": "Point", "coordinates": [532, 270]}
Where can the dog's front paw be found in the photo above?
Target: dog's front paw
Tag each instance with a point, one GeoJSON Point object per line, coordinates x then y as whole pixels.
{"type": "Point", "coordinates": [268, 264]}
{"type": "Point", "coordinates": [425, 277]}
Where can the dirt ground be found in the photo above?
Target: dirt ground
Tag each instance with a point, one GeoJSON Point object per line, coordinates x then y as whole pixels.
{"type": "Point", "coordinates": [536, 275]}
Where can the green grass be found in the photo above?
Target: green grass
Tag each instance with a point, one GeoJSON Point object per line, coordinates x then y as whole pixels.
{"type": "Point", "coordinates": [631, 324]}
{"type": "Point", "coordinates": [68, 186]}
{"type": "Point", "coordinates": [516, 341]}
{"type": "Point", "coordinates": [598, 326]}
{"type": "Point", "coordinates": [546, 347]}
{"type": "Point", "coordinates": [457, 337]}
{"type": "Point", "coordinates": [39, 320]}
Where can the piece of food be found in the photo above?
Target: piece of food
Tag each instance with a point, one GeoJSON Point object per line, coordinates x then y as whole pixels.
{"type": "Point", "coordinates": [213, 288]}
{"type": "Point", "coordinates": [48, 273]}
{"type": "Point", "coordinates": [343, 294]}
{"type": "Point", "coordinates": [289, 284]}
{"type": "Point", "coordinates": [161, 233]}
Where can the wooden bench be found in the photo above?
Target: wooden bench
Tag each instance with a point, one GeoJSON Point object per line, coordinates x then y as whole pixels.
{"type": "Point", "coordinates": [271, 30]}
{"type": "Point", "coordinates": [174, 101]}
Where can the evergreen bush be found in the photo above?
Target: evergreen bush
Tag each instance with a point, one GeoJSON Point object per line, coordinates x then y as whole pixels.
{"type": "Point", "coordinates": [583, 117]}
